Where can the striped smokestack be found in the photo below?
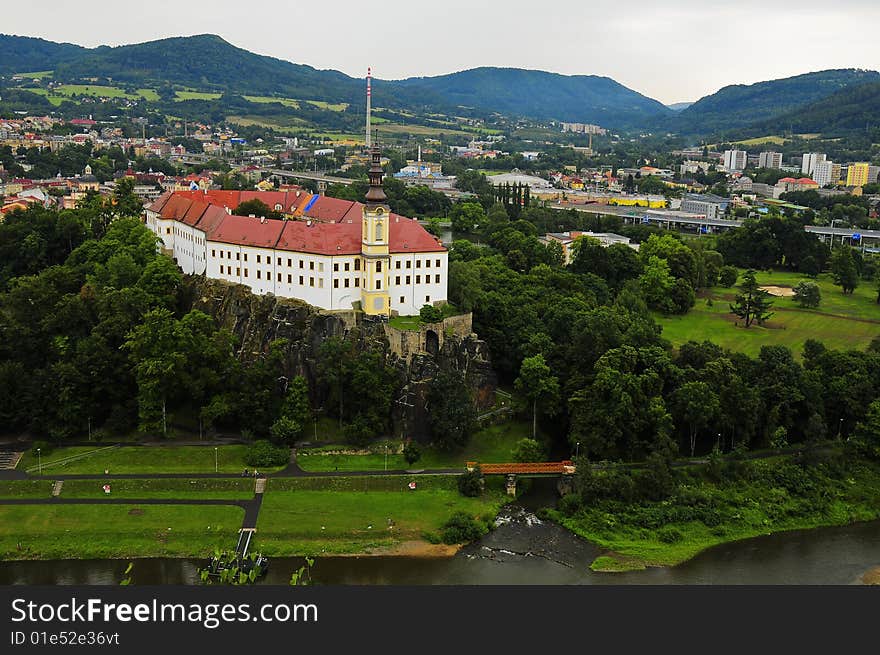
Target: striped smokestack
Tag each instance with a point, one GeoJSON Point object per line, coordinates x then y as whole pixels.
{"type": "Point", "coordinates": [369, 93]}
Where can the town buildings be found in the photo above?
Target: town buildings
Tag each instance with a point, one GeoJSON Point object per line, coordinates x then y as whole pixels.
{"type": "Point", "coordinates": [770, 160]}
{"type": "Point", "coordinates": [857, 174]}
{"type": "Point", "coordinates": [827, 173]}
{"type": "Point", "coordinates": [810, 160]}
{"type": "Point", "coordinates": [735, 160]}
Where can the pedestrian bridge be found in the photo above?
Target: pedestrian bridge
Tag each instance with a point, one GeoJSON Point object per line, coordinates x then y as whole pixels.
{"type": "Point", "coordinates": [565, 467]}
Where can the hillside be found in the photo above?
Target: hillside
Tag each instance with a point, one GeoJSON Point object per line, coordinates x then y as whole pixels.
{"type": "Point", "coordinates": [22, 54]}
{"type": "Point", "coordinates": [849, 109]}
{"type": "Point", "coordinates": [538, 94]}
{"type": "Point", "coordinates": [209, 63]}
{"type": "Point", "coordinates": [739, 105]}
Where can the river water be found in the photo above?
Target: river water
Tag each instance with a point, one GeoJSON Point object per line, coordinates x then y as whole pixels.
{"type": "Point", "coordinates": [523, 550]}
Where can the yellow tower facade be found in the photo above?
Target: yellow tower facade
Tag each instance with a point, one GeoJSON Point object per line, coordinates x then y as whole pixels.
{"type": "Point", "coordinates": [375, 233]}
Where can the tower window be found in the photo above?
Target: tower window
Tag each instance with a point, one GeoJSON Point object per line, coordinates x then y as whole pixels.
{"type": "Point", "coordinates": [379, 231]}
{"type": "Point", "coordinates": [378, 267]}
{"type": "Point", "coordinates": [378, 285]}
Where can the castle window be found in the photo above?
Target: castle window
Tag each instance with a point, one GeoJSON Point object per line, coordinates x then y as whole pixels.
{"type": "Point", "coordinates": [245, 256]}
{"type": "Point", "coordinates": [279, 277]}
{"type": "Point", "coordinates": [427, 263]}
{"type": "Point", "coordinates": [357, 282]}
{"type": "Point", "coordinates": [336, 267]}
{"type": "Point", "coordinates": [320, 283]}
{"type": "Point", "coordinates": [221, 269]}
{"type": "Point", "coordinates": [397, 264]}
{"type": "Point", "coordinates": [221, 254]}
{"type": "Point", "coordinates": [437, 261]}
{"type": "Point", "coordinates": [311, 266]}
{"type": "Point", "coordinates": [279, 261]}
{"type": "Point", "coordinates": [300, 263]}
{"type": "Point", "coordinates": [320, 267]}
{"type": "Point", "coordinates": [278, 207]}
{"type": "Point", "coordinates": [437, 279]}
{"type": "Point", "coordinates": [289, 263]}
{"type": "Point", "coordinates": [238, 256]}
{"type": "Point", "coordinates": [379, 231]}
{"type": "Point", "coordinates": [213, 253]}
{"type": "Point", "coordinates": [378, 267]}
{"type": "Point", "coordinates": [408, 279]}
{"type": "Point", "coordinates": [408, 264]}
{"type": "Point", "coordinates": [418, 279]}
{"type": "Point", "coordinates": [238, 271]}
{"type": "Point", "coordinates": [289, 278]}
{"type": "Point", "coordinates": [378, 285]}
{"type": "Point", "coordinates": [346, 266]}
{"type": "Point", "coordinates": [427, 298]}
{"type": "Point", "coordinates": [336, 283]}
{"type": "Point", "coordinates": [259, 273]}
{"type": "Point", "coordinates": [397, 279]}
{"type": "Point", "coordinates": [311, 281]}
{"type": "Point", "coordinates": [401, 300]}
{"type": "Point", "coordinates": [245, 272]}
{"type": "Point", "coordinates": [357, 264]}
{"type": "Point", "coordinates": [258, 259]}
{"type": "Point", "coordinates": [418, 263]}
{"type": "Point", "coordinates": [346, 283]}
{"type": "Point", "coordinates": [300, 280]}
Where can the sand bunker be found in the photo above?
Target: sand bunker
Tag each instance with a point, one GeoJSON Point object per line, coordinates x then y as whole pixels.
{"type": "Point", "coordinates": [782, 292]}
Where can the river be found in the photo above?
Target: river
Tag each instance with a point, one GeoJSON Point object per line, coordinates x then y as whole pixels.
{"type": "Point", "coordinates": [523, 550]}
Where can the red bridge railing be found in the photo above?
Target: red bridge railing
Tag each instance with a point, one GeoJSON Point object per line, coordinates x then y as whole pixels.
{"type": "Point", "coordinates": [563, 467]}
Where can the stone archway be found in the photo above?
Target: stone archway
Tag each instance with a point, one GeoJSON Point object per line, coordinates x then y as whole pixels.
{"type": "Point", "coordinates": [432, 342]}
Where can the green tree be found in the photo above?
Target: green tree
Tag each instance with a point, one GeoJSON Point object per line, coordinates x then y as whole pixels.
{"type": "Point", "coordinates": [412, 453]}
{"type": "Point", "coordinates": [538, 385]}
{"type": "Point", "coordinates": [256, 207]}
{"type": "Point", "coordinates": [695, 405]}
{"type": "Point", "coordinates": [467, 216]}
{"type": "Point", "coordinates": [807, 294]}
{"type": "Point", "coordinates": [451, 412]}
{"type": "Point", "coordinates": [752, 304]}
{"type": "Point", "coordinates": [528, 450]}
{"type": "Point", "coordinates": [430, 314]}
{"type": "Point", "coordinates": [728, 276]}
{"type": "Point", "coordinates": [843, 268]}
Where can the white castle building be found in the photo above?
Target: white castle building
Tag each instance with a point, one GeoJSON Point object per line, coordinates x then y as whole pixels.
{"type": "Point", "coordinates": [331, 253]}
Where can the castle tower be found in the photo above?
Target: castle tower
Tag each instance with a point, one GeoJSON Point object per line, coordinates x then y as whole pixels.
{"type": "Point", "coordinates": [375, 227]}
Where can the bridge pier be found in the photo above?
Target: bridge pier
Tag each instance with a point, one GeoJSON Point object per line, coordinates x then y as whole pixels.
{"type": "Point", "coordinates": [511, 484]}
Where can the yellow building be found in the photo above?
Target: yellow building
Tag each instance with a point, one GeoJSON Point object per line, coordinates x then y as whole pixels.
{"type": "Point", "coordinates": [857, 174]}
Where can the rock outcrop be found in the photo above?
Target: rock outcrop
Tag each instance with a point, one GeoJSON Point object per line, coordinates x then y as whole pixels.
{"type": "Point", "coordinates": [416, 356]}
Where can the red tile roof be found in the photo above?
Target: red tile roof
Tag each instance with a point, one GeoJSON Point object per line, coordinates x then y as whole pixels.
{"type": "Point", "coordinates": [335, 228]}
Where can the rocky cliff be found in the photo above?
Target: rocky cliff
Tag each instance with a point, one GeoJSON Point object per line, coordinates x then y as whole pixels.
{"type": "Point", "coordinates": [416, 356]}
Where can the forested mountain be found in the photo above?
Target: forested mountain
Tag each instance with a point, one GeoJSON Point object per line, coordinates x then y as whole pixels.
{"type": "Point", "coordinates": [851, 108]}
{"type": "Point", "coordinates": [741, 105]}
{"type": "Point", "coordinates": [22, 54]}
{"type": "Point", "coordinates": [585, 98]}
{"type": "Point", "coordinates": [207, 62]}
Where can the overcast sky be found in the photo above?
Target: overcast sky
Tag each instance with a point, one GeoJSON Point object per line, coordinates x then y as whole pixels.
{"type": "Point", "coordinates": [672, 51]}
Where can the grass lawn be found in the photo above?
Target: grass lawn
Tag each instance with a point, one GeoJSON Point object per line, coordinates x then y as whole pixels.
{"type": "Point", "coordinates": [150, 95]}
{"type": "Point", "coordinates": [492, 444]}
{"type": "Point", "coordinates": [34, 76]}
{"type": "Point", "coordinates": [25, 488]}
{"type": "Point", "coordinates": [115, 531]}
{"type": "Point", "coordinates": [56, 100]}
{"type": "Point", "coordinates": [840, 322]}
{"type": "Point", "coordinates": [291, 522]}
{"type": "Point", "coordinates": [396, 129]}
{"type": "Point", "coordinates": [142, 459]}
{"type": "Point", "coordinates": [242, 489]}
{"type": "Point", "coordinates": [409, 323]}
{"type": "Point", "coordinates": [776, 140]}
{"type": "Point", "coordinates": [330, 106]}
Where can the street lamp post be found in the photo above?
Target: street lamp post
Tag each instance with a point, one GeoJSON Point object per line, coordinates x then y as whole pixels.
{"type": "Point", "coordinates": [386, 457]}
{"type": "Point", "coordinates": [39, 462]}
{"type": "Point", "coordinates": [215, 461]}
{"type": "Point", "coordinates": [577, 448]}
{"type": "Point", "coordinates": [839, 428]}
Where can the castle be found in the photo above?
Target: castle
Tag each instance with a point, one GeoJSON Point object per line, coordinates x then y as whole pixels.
{"type": "Point", "coordinates": [331, 253]}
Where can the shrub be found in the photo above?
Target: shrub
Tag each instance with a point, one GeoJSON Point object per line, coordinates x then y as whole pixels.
{"type": "Point", "coordinates": [528, 450]}
{"type": "Point", "coordinates": [471, 483]}
{"type": "Point", "coordinates": [264, 453]}
{"type": "Point", "coordinates": [358, 432]}
{"type": "Point", "coordinates": [728, 276]}
{"type": "Point", "coordinates": [569, 504]}
{"type": "Point", "coordinates": [807, 294]}
{"type": "Point", "coordinates": [461, 528]}
{"type": "Point", "coordinates": [45, 447]}
{"type": "Point", "coordinates": [412, 453]}
{"type": "Point", "coordinates": [430, 314]}
{"type": "Point", "coordinates": [669, 535]}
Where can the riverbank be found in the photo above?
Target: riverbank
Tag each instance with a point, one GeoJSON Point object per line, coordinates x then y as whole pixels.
{"type": "Point", "coordinates": [745, 501]}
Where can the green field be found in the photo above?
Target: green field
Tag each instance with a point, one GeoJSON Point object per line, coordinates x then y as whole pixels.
{"type": "Point", "coordinates": [37, 75]}
{"type": "Point", "coordinates": [287, 102]}
{"type": "Point", "coordinates": [54, 99]}
{"type": "Point", "coordinates": [315, 522]}
{"type": "Point", "coordinates": [330, 106]}
{"type": "Point", "coordinates": [25, 488]}
{"type": "Point", "coordinates": [236, 489]}
{"type": "Point", "coordinates": [141, 459]}
{"type": "Point", "coordinates": [396, 129]}
{"type": "Point", "coordinates": [776, 140]}
{"type": "Point", "coordinates": [492, 444]}
{"type": "Point", "coordinates": [196, 95]}
{"type": "Point", "coordinates": [840, 322]}
{"type": "Point", "coordinates": [115, 531]}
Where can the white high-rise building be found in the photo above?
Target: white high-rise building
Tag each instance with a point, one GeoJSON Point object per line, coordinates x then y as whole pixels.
{"type": "Point", "coordinates": [735, 160]}
{"type": "Point", "coordinates": [770, 160]}
{"type": "Point", "coordinates": [809, 161]}
{"type": "Point", "coordinates": [827, 172]}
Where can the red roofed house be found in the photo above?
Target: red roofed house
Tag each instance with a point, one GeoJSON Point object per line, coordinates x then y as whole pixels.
{"type": "Point", "coordinates": [335, 254]}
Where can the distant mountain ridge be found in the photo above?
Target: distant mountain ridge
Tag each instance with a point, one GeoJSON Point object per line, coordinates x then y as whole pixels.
{"type": "Point", "coordinates": [208, 62]}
